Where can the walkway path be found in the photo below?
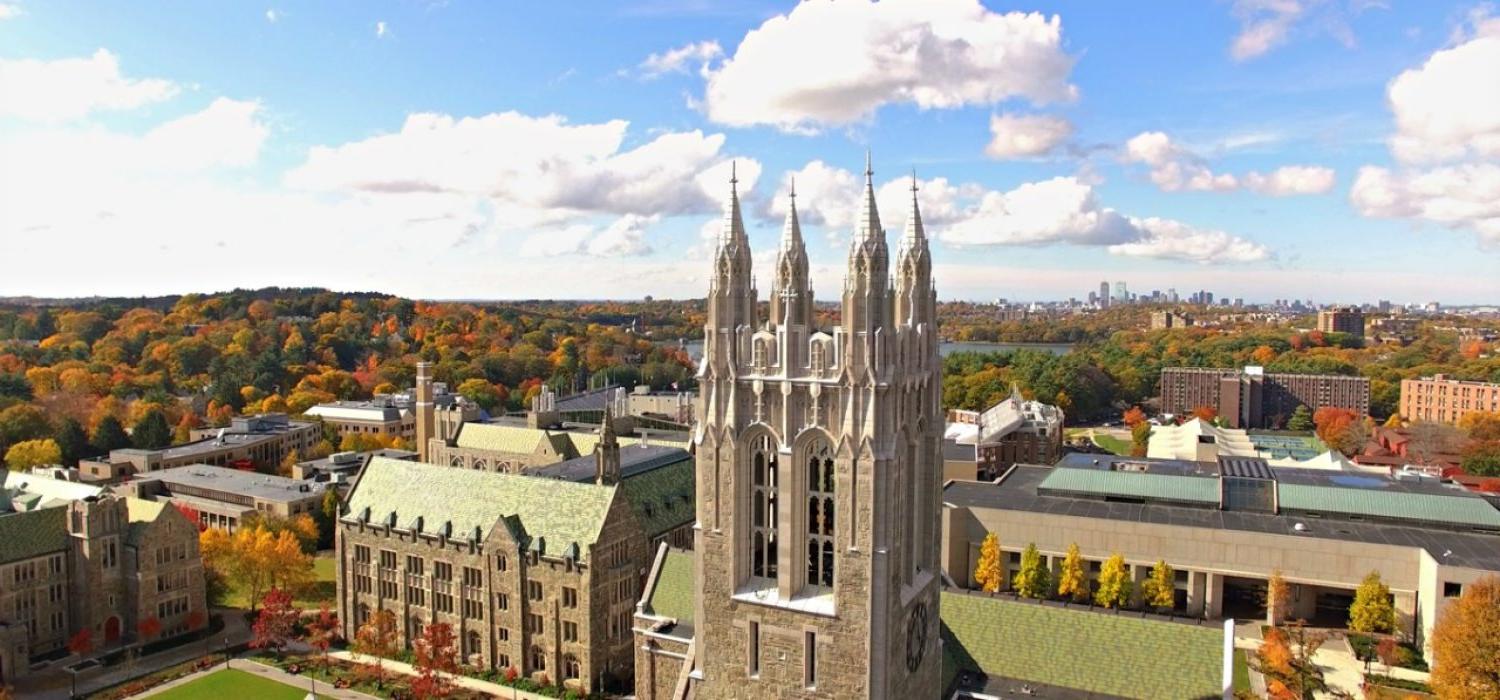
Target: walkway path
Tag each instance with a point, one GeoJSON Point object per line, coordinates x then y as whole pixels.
{"type": "Point", "coordinates": [1341, 668]}
{"type": "Point", "coordinates": [323, 690]}
{"type": "Point", "coordinates": [496, 689]}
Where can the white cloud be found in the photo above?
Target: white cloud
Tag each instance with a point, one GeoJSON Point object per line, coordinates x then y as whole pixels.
{"type": "Point", "coordinates": [9, 10]}
{"type": "Point", "coordinates": [72, 88]}
{"type": "Point", "coordinates": [623, 237]}
{"type": "Point", "coordinates": [1447, 139]}
{"type": "Point", "coordinates": [829, 63]}
{"type": "Point", "coordinates": [1450, 106]}
{"type": "Point", "coordinates": [1021, 136]}
{"type": "Point", "coordinates": [380, 29]}
{"type": "Point", "coordinates": [1059, 210]}
{"type": "Point", "coordinates": [1174, 168]}
{"type": "Point", "coordinates": [677, 60]}
{"type": "Point", "coordinates": [1174, 240]}
{"type": "Point", "coordinates": [1264, 25]}
{"type": "Point", "coordinates": [272, 16]}
{"type": "Point", "coordinates": [1292, 180]}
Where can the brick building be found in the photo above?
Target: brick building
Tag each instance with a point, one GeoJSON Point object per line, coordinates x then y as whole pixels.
{"type": "Point", "coordinates": [1253, 398]}
{"type": "Point", "coordinates": [103, 563]}
{"type": "Point", "coordinates": [1347, 319]}
{"type": "Point", "coordinates": [538, 573]}
{"type": "Point", "coordinates": [1013, 430]}
{"type": "Point", "coordinates": [224, 497]}
{"type": "Point", "coordinates": [261, 440]}
{"type": "Point", "coordinates": [1439, 399]}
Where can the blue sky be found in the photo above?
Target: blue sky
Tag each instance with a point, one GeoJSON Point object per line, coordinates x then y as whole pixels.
{"type": "Point", "coordinates": [1256, 148]}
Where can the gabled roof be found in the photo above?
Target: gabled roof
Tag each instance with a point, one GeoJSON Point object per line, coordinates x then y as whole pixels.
{"type": "Point", "coordinates": [554, 515]}
{"type": "Point", "coordinates": [32, 534]}
{"type": "Point", "coordinates": [662, 497]}
{"type": "Point", "coordinates": [499, 437]}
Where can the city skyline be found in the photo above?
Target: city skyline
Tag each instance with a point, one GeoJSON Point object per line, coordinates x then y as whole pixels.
{"type": "Point", "coordinates": [1322, 151]}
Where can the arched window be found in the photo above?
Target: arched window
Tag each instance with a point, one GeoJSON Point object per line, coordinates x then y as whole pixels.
{"type": "Point", "coordinates": [763, 486]}
{"type": "Point", "coordinates": [571, 667]}
{"type": "Point", "coordinates": [538, 659]}
{"type": "Point", "coordinates": [456, 462]}
{"type": "Point", "coordinates": [481, 464]}
{"type": "Point", "coordinates": [820, 479]}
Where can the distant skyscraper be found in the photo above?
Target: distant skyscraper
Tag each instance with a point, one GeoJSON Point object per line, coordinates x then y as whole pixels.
{"type": "Point", "coordinates": [1121, 295]}
{"type": "Point", "coordinates": [1104, 293]}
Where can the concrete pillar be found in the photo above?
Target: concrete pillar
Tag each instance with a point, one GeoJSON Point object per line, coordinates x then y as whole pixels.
{"type": "Point", "coordinates": [1213, 596]}
{"type": "Point", "coordinates": [1138, 575]}
{"type": "Point", "coordinates": [1406, 613]}
{"type": "Point", "coordinates": [1195, 594]}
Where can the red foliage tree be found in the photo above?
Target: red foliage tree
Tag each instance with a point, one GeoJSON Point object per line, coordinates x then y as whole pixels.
{"type": "Point", "coordinates": [149, 627]}
{"type": "Point", "coordinates": [82, 643]}
{"type": "Point", "coordinates": [196, 619]}
{"type": "Point", "coordinates": [1332, 424]}
{"type": "Point", "coordinates": [1134, 416]}
{"type": "Point", "coordinates": [277, 621]}
{"type": "Point", "coordinates": [323, 630]}
{"type": "Point", "coordinates": [435, 657]}
{"type": "Point", "coordinates": [1206, 413]}
{"type": "Point", "coordinates": [191, 514]}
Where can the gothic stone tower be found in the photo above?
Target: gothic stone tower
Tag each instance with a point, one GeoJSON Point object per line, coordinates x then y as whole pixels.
{"type": "Point", "coordinates": [819, 474]}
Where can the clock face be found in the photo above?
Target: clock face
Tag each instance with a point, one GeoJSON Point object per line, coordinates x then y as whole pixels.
{"type": "Point", "coordinates": [916, 636]}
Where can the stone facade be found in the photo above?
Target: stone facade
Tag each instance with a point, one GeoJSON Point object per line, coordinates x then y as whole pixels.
{"type": "Point", "coordinates": [818, 476]}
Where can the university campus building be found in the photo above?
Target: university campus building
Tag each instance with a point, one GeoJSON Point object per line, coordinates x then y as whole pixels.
{"type": "Point", "coordinates": [1438, 399]}
{"type": "Point", "coordinates": [818, 466]}
{"type": "Point", "coordinates": [388, 415]}
{"type": "Point", "coordinates": [263, 440]}
{"type": "Point", "coordinates": [1225, 526]}
{"type": "Point", "coordinates": [1013, 430]}
{"type": "Point", "coordinates": [74, 557]}
{"type": "Point", "coordinates": [539, 573]}
{"type": "Point", "coordinates": [1254, 398]}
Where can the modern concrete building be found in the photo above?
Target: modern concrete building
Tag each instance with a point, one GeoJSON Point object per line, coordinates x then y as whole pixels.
{"type": "Point", "coordinates": [1225, 527]}
{"type": "Point", "coordinates": [340, 469]}
{"type": "Point", "coordinates": [1013, 430]}
{"type": "Point", "coordinates": [254, 441]}
{"type": "Point", "coordinates": [539, 574]}
{"type": "Point", "coordinates": [1253, 398]}
{"type": "Point", "coordinates": [99, 562]}
{"type": "Point", "coordinates": [1163, 320]}
{"type": "Point", "coordinates": [818, 464]}
{"type": "Point", "coordinates": [223, 497]}
{"type": "Point", "coordinates": [1438, 399]}
{"type": "Point", "coordinates": [1347, 319]}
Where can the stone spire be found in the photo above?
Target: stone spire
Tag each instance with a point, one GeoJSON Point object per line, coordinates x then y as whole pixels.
{"type": "Point", "coordinates": [869, 219]}
{"type": "Point", "coordinates": [607, 454]}
{"type": "Point", "coordinates": [791, 294]}
{"type": "Point", "coordinates": [867, 299]}
{"type": "Point", "coordinates": [731, 293]}
{"type": "Point", "coordinates": [914, 303]}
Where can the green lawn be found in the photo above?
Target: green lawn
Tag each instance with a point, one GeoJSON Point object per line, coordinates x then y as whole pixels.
{"type": "Point", "coordinates": [234, 683]}
{"type": "Point", "coordinates": [1086, 650]}
{"type": "Point", "coordinates": [320, 590]}
{"type": "Point", "coordinates": [1113, 444]}
{"type": "Point", "coordinates": [1241, 671]}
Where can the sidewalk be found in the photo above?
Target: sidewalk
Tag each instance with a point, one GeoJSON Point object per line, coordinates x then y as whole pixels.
{"type": "Point", "coordinates": [495, 689]}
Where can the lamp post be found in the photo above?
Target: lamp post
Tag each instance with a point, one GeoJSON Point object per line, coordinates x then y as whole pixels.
{"type": "Point", "coordinates": [226, 652]}
{"type": "Point", "coordinates": [72, 683]}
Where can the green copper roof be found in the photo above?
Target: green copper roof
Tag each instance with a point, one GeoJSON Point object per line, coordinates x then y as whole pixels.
{"type": "Point", "coordinates": [1085, 650]}
{"type": "Point", "coordinates": [1400, 505]}
{"type": "Point", "coordinates": [1167, 487]}
{"type": "Point", "coordinates": [500, 438]}
{"type": "Point", "coordinates": [662, 498]}
{"type": "Point", "coordinates": [554, 514]}
{"type": "Point", "coordinates": [672, 592]}
{"type": "Point", "coordinates": [32, 534]}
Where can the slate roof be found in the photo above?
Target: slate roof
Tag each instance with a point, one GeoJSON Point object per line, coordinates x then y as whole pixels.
{"type": "Point", "coordinates": [555, 515]}
{"type": "Point", "coordinates": [32, 533]}
{"type": "Point", "coordinates": [499, 437]}
{"type": "Point", "coordinates": [671, 594]}
{"type": "Point", "coordinates": [662, 497]}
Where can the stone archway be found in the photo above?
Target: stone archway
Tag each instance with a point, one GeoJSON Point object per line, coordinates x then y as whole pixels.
{"type": "Point", "coordinates": [112, 630]}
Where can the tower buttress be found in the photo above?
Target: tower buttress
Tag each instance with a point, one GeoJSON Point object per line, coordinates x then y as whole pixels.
{"type": "Point", "coordinates": [791, 293]}
{"type": "Point", "coordinates": [915, 303]}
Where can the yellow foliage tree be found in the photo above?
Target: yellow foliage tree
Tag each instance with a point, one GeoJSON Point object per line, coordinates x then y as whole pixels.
{"type": "Point", "coordinates": [1072, 582]}
{"type": "Point", "coordinates": [1466, 643]}
{"type": "Point", "coordinates": [1114, 583]}
{"type": "Point", "coordinates": [32, 453]}
{"type": "Point", "coordinates": [1160, 590]}
{"type": "Point", "coordinates": [1278, 597]}
{"type": "Point", "coordinates": [988, 574]}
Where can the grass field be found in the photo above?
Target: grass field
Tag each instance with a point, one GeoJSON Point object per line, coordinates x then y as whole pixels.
{"type": "Point", "coordinates": [233, 683]}
{"type": "Point", "coordinates": [1241, 671]}
{"type": "Point", "coordinates": [1093, 651]}
{"type": "Point", "coordinates": [1113, 444]}
{"type": "Point", "coordinates": [320, 590]}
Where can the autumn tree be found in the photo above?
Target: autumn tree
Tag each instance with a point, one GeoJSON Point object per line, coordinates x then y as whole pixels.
{"type": "Point", "coordinates": [323, 631]}
{"type": "Point", "coordinates": [1278, 597]}
{"type": "Point", "coordinates": [1160, 591]}
{"type": "Point", "coordinates": [253, 559]}
{"type": "Point", "coordinates": [436, 659]}
{"type": "Point", "coordinates": [1466, 643]}
{"type": "Point", "coordinates": [109, 435]}
{"type": "Point", "coordinates": [988, 573]}
{"type": "Point", "coordinates": [377, 638]}
{"type": "Point", "coordinates": [1301, 419]}
{"type": "Point", "coordinates": [1140, 439]}
{"type": "Point", "coordinates": [1340, 429]}
{"type": "Point", "coordinates": [1372, 610]}
{"type": "Point", "coordinates": [1206, 414]}
{"type": "Point", "coordinates": [1114, 583]}
{"type": "Point", "coordinates": [1033, 579]}
{"type": "Point", "coordinates": [32, 453]}
{"type": "Point", "coordinates": [1481, 425]}
{"type": "Point", "coordinates": [1072, 581]}
{"type": "Point", "coordinates": [275, 626]}
{"type": "Point", "coordinates": [82, 642]}
{"type": "Point", "coordinates": [1285, 658]}
{"type": "Point", "coordinates": [149, 627]}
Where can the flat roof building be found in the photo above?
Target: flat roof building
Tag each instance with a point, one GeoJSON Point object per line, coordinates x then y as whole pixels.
{"type": "Point", "coordinates": [1347, 319]}
{"type": "Point", "coordinates": [1253, 398]}
{"type": "Point", "coordinates": [223, 497]}
{"type": "Point", "coordinates": [1438, 399]}
{"type": "Point", "coordinates": [388, 415]}
{"type": "Point", "coordinates": [261, 440]}
{"type": "Point", "coordinates": [1225, 527]}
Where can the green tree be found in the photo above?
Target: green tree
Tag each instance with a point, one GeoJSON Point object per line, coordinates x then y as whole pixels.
{"type": "Point", "coordinates": [1072, 581]}
{"type": "Point", "coordinates": [151, 432]}
{"type": "Point", "coordinates": [1033, 580]}
{"type": "Point", "coordinates": [1160, 591]}
{"type": "Point", "coordinates": [109, 435]}
{"type": "Point", "coordinates": [1114, 583]}
{"type": "Point", "coordinates": [1372, 610]}
{"type": "Point", "coordinates": [73, 440]}
{"type": "Point", "coordinates": [481, 392]}
{"type": "Point", "coordinates": [22, 422]}
{"type": "Point", "coordinates": [327, 517]}
{"type": "Point", "coordinates": [1301, 419]}
{"type": "Point", "coordinates": [988, 573]}
{"type": "Point", "coordinates": [1482, 458]}
{"type": "Point", "coordinates": [32, 453]}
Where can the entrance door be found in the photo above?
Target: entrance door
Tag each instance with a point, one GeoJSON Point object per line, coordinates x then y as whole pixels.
{"type": "Point", "coordinates": [112, 630]}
